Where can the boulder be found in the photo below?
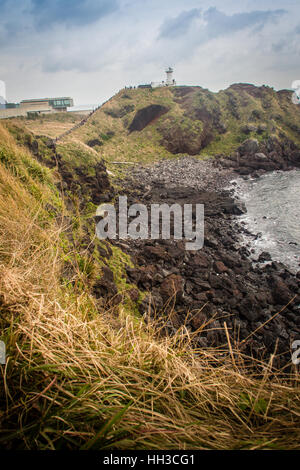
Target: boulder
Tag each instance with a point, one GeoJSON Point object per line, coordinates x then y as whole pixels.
{"type": "Point", "coordinates": [261, 156]}
{"type": "Point", "coordinates": [264, 256]}
{"type": "Point", "coordinates": [234, 207]}
{"type": "Point", "coordinates": [280, 291]}
{"type": "Point", "coordinates": [155, 252]}
{"type": "Point", "coordinates": [249, 308]}
{"type": "Point", "coordinates": [250, 146]}
{"type": "Point", "coordinates": [172, 286]}
{"type": "Point", "coordinates": [220, 267]}
{"type": "Point", "coordinates": [201, 260]}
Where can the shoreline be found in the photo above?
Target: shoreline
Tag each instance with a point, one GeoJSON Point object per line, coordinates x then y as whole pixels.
{"type": "Point", "coordinates": [220, 283]}
{"type": "Point", "coordinates": [256, 236]}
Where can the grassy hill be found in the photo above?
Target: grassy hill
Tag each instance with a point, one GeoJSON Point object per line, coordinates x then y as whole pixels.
{"type": "Point", "coordinates": [86, 373]}
{"type": "Point", "coordinates": [150, 124]}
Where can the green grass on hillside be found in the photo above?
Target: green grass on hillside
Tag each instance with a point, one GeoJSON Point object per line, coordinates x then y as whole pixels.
{"type": "Point", "coordinates": [221, 121]}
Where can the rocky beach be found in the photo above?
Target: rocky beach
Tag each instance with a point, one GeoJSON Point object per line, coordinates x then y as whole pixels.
{"type": "Point", "coordinates": [218, 290]}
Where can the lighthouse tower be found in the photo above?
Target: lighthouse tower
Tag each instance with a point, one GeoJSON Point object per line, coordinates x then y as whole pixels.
{"type": "Point", "coordinates": [170, 80]}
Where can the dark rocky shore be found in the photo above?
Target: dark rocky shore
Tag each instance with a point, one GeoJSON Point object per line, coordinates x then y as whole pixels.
{"type": "Point", "coordinates": [218, 284]}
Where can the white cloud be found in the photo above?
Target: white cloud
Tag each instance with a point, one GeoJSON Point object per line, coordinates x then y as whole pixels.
{"type": "Point", "coordinates": [93, 58]}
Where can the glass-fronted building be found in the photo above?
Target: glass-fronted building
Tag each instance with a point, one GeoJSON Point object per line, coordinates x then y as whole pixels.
{"type": "Point", "coordinates": [28, 108]}
{"type": "Point", "coordinates": [56, 104]}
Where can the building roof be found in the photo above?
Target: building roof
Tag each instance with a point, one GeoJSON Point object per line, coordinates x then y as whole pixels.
{"type": "Point", "coordinates": [47, 99]}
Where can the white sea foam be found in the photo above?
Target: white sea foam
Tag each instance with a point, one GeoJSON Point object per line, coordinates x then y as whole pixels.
{"type": "Point", "coordinates": [273, 215]}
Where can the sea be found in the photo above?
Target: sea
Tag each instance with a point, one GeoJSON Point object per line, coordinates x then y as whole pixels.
{"type": "Point", "coordinates": [273, 215]}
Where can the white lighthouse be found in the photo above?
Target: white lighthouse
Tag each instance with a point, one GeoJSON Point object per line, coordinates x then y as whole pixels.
{"type": "Point", "coordinates": [170, 80]}
{"type": "Point", "coordinates": [2, 94]}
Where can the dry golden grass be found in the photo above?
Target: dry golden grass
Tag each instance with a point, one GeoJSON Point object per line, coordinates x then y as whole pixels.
{"type": "Point", "coordinates": [80, 379]}
{"type": "Point", "coordinates": [52, 125]}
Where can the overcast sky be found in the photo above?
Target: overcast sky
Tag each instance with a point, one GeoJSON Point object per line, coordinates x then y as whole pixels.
{"type": "Point", "coordinates": [89, 49]}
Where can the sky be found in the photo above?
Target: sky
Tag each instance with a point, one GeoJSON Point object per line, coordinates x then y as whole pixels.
{"type": "Point", "coordinates": [90, 49]}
